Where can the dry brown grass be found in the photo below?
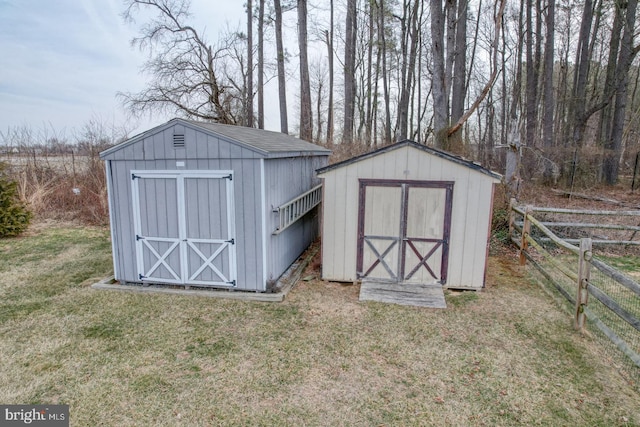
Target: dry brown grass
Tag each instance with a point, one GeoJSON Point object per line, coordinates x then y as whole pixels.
{"type": "Point", "coordinates": [48, 184]}
{"type": "Point", "coordinates": [504, 356]}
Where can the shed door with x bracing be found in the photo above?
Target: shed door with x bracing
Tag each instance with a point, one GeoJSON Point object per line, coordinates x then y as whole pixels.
{"type": "Point", "coordinates": [403, 231]}
{"type": "Point", "coordinates": [184, 228]}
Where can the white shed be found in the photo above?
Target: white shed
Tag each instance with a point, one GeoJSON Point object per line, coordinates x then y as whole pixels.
{"type": "Point", "coordinates": [407, 213]}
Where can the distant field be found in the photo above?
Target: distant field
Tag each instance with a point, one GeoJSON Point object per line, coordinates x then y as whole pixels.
{"type": "Point", "coordinates": [64, 163]}
{"type": "Point", "coordinates": [505, 356]}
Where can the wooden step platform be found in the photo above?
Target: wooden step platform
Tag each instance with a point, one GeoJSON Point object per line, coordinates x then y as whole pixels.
{"type": "Point", "coordinates": [404, 294]}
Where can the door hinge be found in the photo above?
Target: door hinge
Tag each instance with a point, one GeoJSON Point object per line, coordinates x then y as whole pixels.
{"type": "Point", "coordinates": [139, 237]}
{"type": "Point", "coordinates": [229, 177]}
{"type": "Point", "coordinates": [141, 276]}
{"type": "Point", "coordinates": [232, 283]}
{"type": "Point", "coordinates": [133, 176]}
{"type": "Point", "coordinates": [232, 241]}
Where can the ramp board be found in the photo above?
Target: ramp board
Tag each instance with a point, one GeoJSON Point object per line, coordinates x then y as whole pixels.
{"type": "Point", "coordinates": [404, 294]}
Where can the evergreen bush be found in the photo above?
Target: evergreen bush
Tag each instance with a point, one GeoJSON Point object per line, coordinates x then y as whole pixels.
{"type": "Point", "coordinates": [14, 215]}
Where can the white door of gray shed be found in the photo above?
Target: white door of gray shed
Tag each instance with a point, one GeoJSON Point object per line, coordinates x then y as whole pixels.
{"type": "Point", "coordinates": [184, 227]}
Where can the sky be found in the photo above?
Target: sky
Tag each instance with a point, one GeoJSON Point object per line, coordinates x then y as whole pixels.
{"type": "Point", "coordinates": [63, 61]}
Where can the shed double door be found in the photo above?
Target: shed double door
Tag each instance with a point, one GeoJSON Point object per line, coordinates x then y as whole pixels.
{"type": "Point", "coordinates": [184, 227]}
{"type": "Point", "coordinates": [403, 231]}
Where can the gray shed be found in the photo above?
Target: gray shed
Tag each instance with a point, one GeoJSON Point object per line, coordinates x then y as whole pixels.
{"type": "Point", "coordinates": [204, 204]}
{"type": "Point", "coordinates": [407, 213]}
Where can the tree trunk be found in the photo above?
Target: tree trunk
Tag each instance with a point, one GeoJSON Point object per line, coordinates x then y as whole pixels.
{"type": "Point", "coordinates": [261, 65]}
{"type": "Point", "coordinates": [330, 53]}
{"type": "Point", "coordinates": [532, 80]}
{"type": "Point", "coordinates": [604, 130]}
{"type": "Point", "coordinates": [514, 146]}
{"type": "Point", "coordinates": [282, 85]}
{"type": "Point", "coordinates": [514, 154]}
{"type": "Point", "coordinates": [319, 111]}
{"type": "Point", "coordinates": [249, 63]}
{"type": "Point", "coordinates": [369, 93]}
{"type": "Point", "coordinates": [549, 99]}
{"type": "Point", "coordinates": [349, 72]}
{"type": "Point", "coordinates": [458, 92]}
{"type": "Point", "coordinates": [613, 147]}
{"type": "Point", "coordinates": [306, 114]}
{"type": "Point", "coordinates": [450, 8]}
{"type": "Point", "coordinates": [583, 60]}
{"type": "Point", "coordinates": [385, 81]}
{"type": "Point", "coordinates": [440, 90]}
{"type": "Point", "coordinates": [408, 68]}
{"type": "Point", "coordinates": [494, 70]}
{"type": "Point", "coordinates": [376, 84]}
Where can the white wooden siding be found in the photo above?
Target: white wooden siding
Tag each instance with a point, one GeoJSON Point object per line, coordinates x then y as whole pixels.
{"type": "Point", "coordinates": [471, 210]}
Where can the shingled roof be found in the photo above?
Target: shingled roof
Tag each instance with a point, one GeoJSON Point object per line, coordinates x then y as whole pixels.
{"type": "Point", "coordinates": [439, 153]}
{"type": "Point", "coordinates": [260, 140]}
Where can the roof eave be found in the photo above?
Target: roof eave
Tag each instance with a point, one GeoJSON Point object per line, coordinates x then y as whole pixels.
{"type": "Point", "coordinates": [442, 154]}
{"type": "Point", "coordinates": [283, 154]}
{"type": "Point", "coordinates": [194, 126]}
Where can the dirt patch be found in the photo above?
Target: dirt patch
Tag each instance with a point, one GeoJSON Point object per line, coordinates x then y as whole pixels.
{"type": "Point", "coordinates": [321, 296]}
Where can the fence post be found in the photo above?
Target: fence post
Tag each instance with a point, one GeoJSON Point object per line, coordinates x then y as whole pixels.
{"type": "Point", "coordinates": [584, 273]}
{"type": "Point", "coordinates": [526, 228]}
{"type": "Point", "coordinates": [512, 216]}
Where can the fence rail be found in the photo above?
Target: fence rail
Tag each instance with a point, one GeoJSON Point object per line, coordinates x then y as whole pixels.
{"type": "Point", "coordinates": [602, 295]}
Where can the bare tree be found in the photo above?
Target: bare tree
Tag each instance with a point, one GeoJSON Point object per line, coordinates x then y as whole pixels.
{"type": "Point", "coordinates": [613, 145]}
{"type": "Point", "coordinates": [330, 54]}
{"type": "Point", "coordinates": [369, 70]}
{"type": "Point", "coordinates": [249, 101]}
{"type": "Point", "coordinates": [583, 59]}
{"type": "Point", "coordinates": [261, 64]}
{"type": "Point", "coordinates": [514, 146]}
{"type": "Point", "coordinates": [183, 66]}
{"type": "Point", "coordinates": [409, 43]}
{"type": "Point", "coordinates": [549, 99]}
{"type": "Point", "coordinates": [458, 86]}
{"type": "Point", "coordinates": [442, 118]}
{"type": "Point", "coordinates": [382, 41]}
{"type": "Point", "coordinates": [306, 115]}
{"type": "Point", "coordinates": [532, 79]}
{"type": "Point", "coordinates": [282, 79]}
{"type": "Point", "coordinates": [439, 81]}
{"type": "Point", "coordinates": [349, 71]}
{"type": "Point", "coordinates": [319, 77]}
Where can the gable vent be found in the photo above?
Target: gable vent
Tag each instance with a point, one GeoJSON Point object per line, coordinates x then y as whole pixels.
{"type": "Point", "coordinates": [178, 141]}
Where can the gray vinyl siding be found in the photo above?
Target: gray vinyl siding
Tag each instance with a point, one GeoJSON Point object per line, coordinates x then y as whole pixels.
{"type": "Point", "coordinates": [286, 179]}
{"type": "Point", "coordinates": [201, 152]}
{"type": "Point", "coordinates": [247, 200]}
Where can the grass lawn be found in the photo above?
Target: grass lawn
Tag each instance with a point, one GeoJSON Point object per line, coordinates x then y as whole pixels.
{"type": "Point", "coordinates": [629, 264]}
{"type": "Point", "coordinates": [504, 356]}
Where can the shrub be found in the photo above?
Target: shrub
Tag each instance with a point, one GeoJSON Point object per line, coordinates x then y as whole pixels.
{"type": "Point", "coordinates": [14, 215]}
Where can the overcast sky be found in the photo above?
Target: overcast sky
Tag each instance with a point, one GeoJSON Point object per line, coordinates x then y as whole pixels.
{"type": "Point", "coordinates": [64, 60]}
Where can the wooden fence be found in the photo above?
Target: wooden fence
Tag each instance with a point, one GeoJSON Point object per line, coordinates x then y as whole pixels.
{"type": "Point", "coordinates": [599, 293]}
